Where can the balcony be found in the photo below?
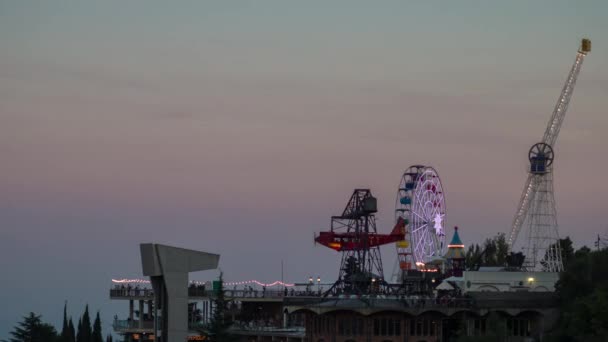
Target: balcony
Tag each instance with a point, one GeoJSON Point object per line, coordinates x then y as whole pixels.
{"type": "Point", "coordinates": [131, 293]}
{"type": "Point", "coordinates": [132, 326]}
{"type": "Point", "coordinates": [201, 292]}
{"type": "Point", "coordinates": [251, 328]}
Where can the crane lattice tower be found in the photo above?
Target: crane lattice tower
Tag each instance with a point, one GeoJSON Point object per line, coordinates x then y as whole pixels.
{"type": "Point", "coordinates": [537, 204]}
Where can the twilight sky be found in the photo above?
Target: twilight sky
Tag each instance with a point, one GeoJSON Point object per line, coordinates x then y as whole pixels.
{"type": "Point", "coordinates": [240, 127]}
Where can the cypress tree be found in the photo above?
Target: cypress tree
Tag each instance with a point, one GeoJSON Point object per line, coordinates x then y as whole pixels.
{"type": "Point", "coordinates": [65, 328]}
{"type": "Point", "coordinates": [217, 330]}
{"type": "Point", "coordinates": [97, 336]}
{"type": "Point", "coordinates": [86, 326]}
{"type": "Point", "coordinates": [79, 332]}
{"type": "Point", "coordinates": [71, 331]}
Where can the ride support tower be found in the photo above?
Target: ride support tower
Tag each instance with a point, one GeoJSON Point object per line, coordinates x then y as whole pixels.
{"type": "Point", "coordinates": [354, 234]}
{"type": "Point", "coordinates": [536, 209]}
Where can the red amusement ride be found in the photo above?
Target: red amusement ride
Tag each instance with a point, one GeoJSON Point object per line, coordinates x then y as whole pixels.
{"type": "Point", "coordinates": [354, 234]}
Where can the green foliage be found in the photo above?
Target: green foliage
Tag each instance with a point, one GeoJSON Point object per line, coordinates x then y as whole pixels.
{"type": "Point", "coordinates": [583, 291]}
{"type": "Point", "coordinates": [32, 329]}
{"type": "Point", "coordinates": [493, 253]}
{"type": "Point", "coordinates": [217, 331]}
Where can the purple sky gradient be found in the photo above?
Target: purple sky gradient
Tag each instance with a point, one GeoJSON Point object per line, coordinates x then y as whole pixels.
{"type": "Point", "coordinates": [241, 129]}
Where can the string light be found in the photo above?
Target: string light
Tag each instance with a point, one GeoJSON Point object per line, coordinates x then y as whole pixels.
{"type": "Point", "coordinates": [126, 281]}
{"type": "Point", "coordinates": [144, 281]}
{"type": "Point", "coordinates": [276, 283]}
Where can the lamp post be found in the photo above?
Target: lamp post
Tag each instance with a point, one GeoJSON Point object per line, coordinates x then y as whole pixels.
{"type": "Point", "coordinates": [309, 286]}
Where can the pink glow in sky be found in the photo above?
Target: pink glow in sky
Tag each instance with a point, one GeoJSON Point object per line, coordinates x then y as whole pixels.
{"type": "Point", "coordinates": [240, 130]}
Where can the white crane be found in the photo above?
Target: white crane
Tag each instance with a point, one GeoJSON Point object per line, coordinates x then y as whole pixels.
{"type": "Point", "coordinates": [537, 203]}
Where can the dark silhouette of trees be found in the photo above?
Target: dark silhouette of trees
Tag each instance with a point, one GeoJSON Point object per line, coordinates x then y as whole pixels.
{"type": "Point", "coordinates": [84, 330]}
{"type": "Point", "coordinates": [79, 332]}
{"type": "Point", "coordinates": [493, 252]}
{"type": "Point", "coordinates": [71, 331]}
{"type": "Point", "coordinates": [65, 329]}
{"type": "Point", "coordinates": [566, 251]}
{"type": "Point", "coordinates": [583, 292]}
{"type": "Point", "coordinates": [32, 329]}
{"type": "Point", "coordinates": [96, 335]}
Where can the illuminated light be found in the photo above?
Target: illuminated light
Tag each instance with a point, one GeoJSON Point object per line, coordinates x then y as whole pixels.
{"type": "Point", "coordinates": [334, 245]}
{"type": "Point", "coordinates": [418, 263]}
{"type": "Point", "coordinates": [276, 283]}
{"type": "Point", "coordinates": [144, 281]}
{"type": "Point", "coordinates": [530, 279]}
{"type": "Point", "coordinates": [438, 227]}
{"type": "Point", "coordinates": [124, 281]}
{"type": "Point", "coordinates": [455, 246]}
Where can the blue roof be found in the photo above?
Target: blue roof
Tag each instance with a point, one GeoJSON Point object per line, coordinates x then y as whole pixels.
{"type": "Point", "coordinates": [456, 238]}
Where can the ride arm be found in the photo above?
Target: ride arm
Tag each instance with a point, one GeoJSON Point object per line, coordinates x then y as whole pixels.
{"type": "Point", "coordinates": [557, 118]}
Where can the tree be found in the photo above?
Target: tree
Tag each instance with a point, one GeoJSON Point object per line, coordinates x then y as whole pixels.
{"type": "Point", "coordinates": [97, 335]}
{"type": "Point", "coordinates": [71, 331]}
{"type": "Point", "coordinates": [32, 329]}
{"type": "Point", "coordinates": [65, 328]}
{"type": "Point", "coordinates": [84, 327]}
{"type": "Point", "coordinates": [565, 248]}
{"type": "Point", "coordinates": [583, 292]}
{"type": "Point", "coordinates": [217, 330]}
{"type": "Point", "coordinates": [79, 332]}
{"type": "Point", "coordinates": [109, 338]}
{"type": "Point", "coordinates": [494, 253]}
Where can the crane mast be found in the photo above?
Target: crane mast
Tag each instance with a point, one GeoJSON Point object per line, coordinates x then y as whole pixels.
{"type": "Point", "coordinates": [537, 204]}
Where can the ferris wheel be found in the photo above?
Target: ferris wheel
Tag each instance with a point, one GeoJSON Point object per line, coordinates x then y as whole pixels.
{"type": "Point", "coordinates": [421, 204]}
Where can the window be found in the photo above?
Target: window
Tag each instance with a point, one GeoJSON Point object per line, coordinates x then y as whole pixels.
{"type": "Point", "coordinates": [397, 327]}
{"type": "Point", "coordinates": [383, 327]}
{"type": "Point", "coordinates": [425, 325]}
{"type": "Point", "coordinates": [340, 326]}
{"type": "Point", "coordinates": [391, 327]}
{"type": "Point", "coordinates": [376, 327]}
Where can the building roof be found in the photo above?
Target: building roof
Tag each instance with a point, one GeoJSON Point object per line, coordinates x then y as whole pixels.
{"type": "Point", "coordinates": [455, 248]}
{"type": "Point", "coordinates": [456, 239]}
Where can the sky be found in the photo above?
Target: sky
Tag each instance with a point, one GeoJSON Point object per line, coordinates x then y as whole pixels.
{"type": "Point", "coordinates": [240, 127]}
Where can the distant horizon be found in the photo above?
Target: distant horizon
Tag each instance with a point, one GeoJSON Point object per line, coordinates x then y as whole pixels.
{"type": "Point", "coordinates": [240, 129]}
